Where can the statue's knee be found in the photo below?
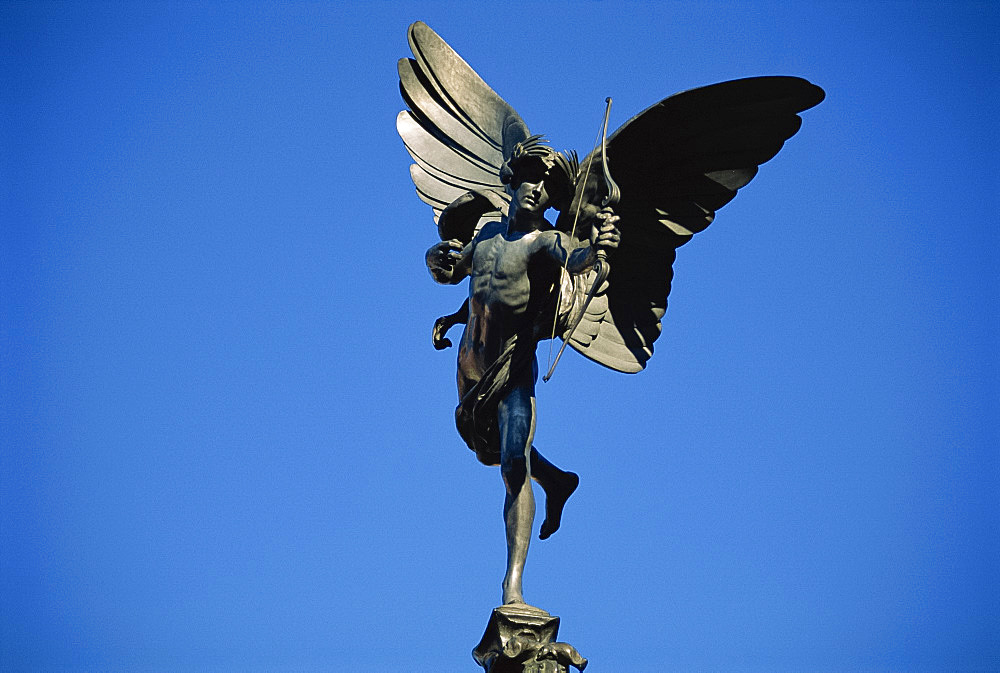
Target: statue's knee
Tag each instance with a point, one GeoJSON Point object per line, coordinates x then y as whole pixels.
{"type": "Point", "coordinates": [513, 467]}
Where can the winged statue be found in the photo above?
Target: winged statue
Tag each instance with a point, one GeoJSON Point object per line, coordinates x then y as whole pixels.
{"type": "Point", "coordinates": [599, 276]}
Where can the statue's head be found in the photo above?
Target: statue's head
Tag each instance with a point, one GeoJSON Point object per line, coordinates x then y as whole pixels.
{"type": "Point", "coordinates": [539, 177]}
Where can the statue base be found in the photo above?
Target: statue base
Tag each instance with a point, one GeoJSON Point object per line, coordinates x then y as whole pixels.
{"type": "Point", "coordinates": [520, 638]}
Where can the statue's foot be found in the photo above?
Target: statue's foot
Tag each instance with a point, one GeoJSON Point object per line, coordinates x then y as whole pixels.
{"type": "Point", "coordinates": [511, 590]}
{"type": "Point", "coordinates": [512, 596]}
{"type": "Point", "coordinates": [555, 500]}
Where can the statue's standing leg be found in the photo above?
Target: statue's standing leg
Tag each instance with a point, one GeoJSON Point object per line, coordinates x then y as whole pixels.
{"type": "Point", "coordinates": [516, 422]}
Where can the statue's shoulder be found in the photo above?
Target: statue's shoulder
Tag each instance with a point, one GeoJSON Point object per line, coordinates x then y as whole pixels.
{"type": "Point", "coordinates": [541, 238]}
{"type": "Point", "coordinates": [490, 230]}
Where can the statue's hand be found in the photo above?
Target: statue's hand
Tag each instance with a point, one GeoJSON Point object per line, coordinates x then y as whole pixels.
{"type": "Point", "coordinates": [441, 327]}
{"type": "Point", "coordinates": [606, 228]}
{"type": "Point", "coordinates": [441, 258]}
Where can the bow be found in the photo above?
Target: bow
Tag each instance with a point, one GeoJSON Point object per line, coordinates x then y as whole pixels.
{"type": "Point", "coordinates": [601, 265]}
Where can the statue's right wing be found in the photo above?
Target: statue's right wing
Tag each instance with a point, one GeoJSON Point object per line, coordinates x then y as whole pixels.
{"type": "Point", "coordinates": [458, 131]}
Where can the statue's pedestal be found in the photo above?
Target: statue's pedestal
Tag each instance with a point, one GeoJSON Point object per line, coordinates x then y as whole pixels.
{"type": "Point", "coordinates": [521, 638]}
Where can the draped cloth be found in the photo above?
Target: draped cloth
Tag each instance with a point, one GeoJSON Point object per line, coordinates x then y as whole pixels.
{"type": "Point", "coordinates": [476, 415]}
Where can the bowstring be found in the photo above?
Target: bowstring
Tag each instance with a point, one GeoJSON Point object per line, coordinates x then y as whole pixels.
{"type": "Point", "coordinates": [572, 233]}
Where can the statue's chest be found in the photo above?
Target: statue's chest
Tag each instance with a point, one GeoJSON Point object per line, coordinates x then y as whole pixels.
{"type": "Point", "coordinates": [504, 259]}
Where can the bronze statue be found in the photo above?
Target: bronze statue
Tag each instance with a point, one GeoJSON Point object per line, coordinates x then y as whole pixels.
{"type": "Point", "coordinates": [599, 277]}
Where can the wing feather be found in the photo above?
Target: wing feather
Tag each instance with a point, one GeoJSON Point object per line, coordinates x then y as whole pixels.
{"type": "Point", "coordinates": [433, 184]}
{"type": "Point", "coordinates": [420, 96]}
{"type": "Point", "coordinates": [469, 97]}
{"type": "Point", "coordinates": [444, 156]}
{"type": "Point", "coordinates": [449, 177]}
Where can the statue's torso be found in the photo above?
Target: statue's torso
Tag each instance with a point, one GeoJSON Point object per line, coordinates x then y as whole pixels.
{"type": "Point", "coordinates": [510, 285]}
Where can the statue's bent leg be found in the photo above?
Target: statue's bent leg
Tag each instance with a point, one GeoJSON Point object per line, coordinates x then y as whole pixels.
{"type": "Point", "coordinates": [558, 485]}
{"type": "Point", "coordinates": [516, 421]}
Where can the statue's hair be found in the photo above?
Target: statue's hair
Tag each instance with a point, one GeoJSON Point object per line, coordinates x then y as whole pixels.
{"type": "Point", "coordinates": [563, 166]}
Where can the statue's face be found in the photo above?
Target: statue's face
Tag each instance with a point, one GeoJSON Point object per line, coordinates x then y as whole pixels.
{"type": "Point", "coordinates": [533, 197]}
{"type": "Point", "coordinates": [530, 189]}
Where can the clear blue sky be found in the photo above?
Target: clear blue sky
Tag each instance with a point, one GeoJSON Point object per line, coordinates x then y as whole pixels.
{"type": "Point", "coordinates": [226, 443]}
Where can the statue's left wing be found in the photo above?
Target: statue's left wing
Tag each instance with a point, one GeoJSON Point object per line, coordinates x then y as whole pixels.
{"type": "Point", "coordinates": [676, 163]}
{"type": "Point", "coordinates": [458, 131]}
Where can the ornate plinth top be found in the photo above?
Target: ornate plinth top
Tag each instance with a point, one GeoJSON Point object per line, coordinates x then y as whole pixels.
{"type": "Point", "coordinates": [521, 638]}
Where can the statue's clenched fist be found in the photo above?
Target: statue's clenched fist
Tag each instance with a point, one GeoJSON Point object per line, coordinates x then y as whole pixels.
{"type": "Point", "coordinates": [442, 257]}
{"type": "Point", "coordinates": [606, 229]}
